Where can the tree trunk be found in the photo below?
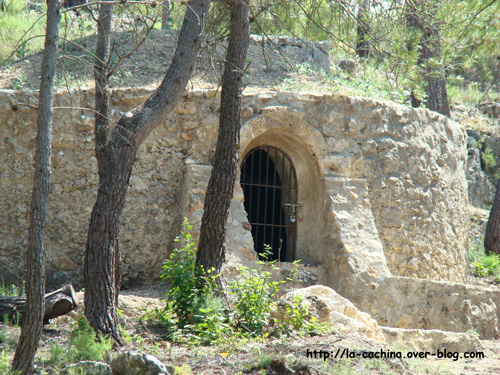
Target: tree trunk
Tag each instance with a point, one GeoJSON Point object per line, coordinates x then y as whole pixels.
{"type": "Point", "coordinates": [165, 14]}
{"type": "Point", "coordinates": [35, 282]}
{"type": "Point", "coordinates": [437, 96]}
{"type": "Point", "coordinates": [111, 283]}
{"type": "Point", "coordinates": [211, 248]}
{"type": "Point", "coordinates": [430, 43]}
{"type": "Point", "coordinates": [101, 77]}
{"type": "Point", "coordinates": [102, 258]}
{"type": "Point", "coordinates": [492, 236]}
{"type": "Point", "coordinates": [57, 303]}
{"type": "Point", "coordinates": [362, 44]}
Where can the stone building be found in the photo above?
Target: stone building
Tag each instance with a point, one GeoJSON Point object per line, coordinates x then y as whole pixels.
{"type": "Point", "coordinates": [371, 196]}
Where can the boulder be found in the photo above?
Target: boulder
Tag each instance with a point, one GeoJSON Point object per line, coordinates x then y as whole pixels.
{"type": "Point", "coordinates": [328, 306]}
{"type": "Point", "coordinates": [481, 190]}
{"type": "Point", "coordinates": [349, 66]}
{"type": "Point", "coordinates": [135, 362]}
{"type": "Point", "coordinates": [491, 109]}
{"type": "Point", "coordinates": [432, 340]}
{"type": "Point", "coordinates": [315, 54]}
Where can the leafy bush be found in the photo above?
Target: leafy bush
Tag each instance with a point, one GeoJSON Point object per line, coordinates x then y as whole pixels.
{"type": "Point", "coordinates": [184, 279]}
{"type": "Point", "coordinates": [254, 299]}
{"type": "Point", "coordinates": [480, 269]}
{"type": "Point", "coordinates": [296, 317]}
{"type": "Point", "coordinates": [484, 265]}
{"type": "Point", "coordinates": [211, 321]}
{"type": "Point", "coordinates": [85, 344]}
{"type": "Point", "coordinates": [4, 362]}
{"type": "Point", "coordinates": [192, 311]}
{"type": "Point", "coordinates": [195, 313]}
{"type": "Point", "coordinates": [489, 158]}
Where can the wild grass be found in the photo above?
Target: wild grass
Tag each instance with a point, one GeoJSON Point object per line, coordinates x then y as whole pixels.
{"type": "Point", "coordinates": [469, 94]}
{"type": "Point", "coordinates": [21, 29]}
{"type": "Point", "coordinates": [11, 290]}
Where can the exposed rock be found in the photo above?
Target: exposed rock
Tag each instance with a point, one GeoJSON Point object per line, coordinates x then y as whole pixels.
{"type": "Point", "coordinates": [350, 66]}
{"type": "Point", "coordinates": [481, 190]}
{"type": "Point", "coordinates": [88, 368]}
{"type": "Point", "coordinates": [328, 306]}
{"type": "Point", "coordinates": [134, 362]}
{"type": "Point", "coordinates": [65, 263]}
{"type": "Point", "coordinates": [410, 303]}
{"type": "Point", "coordinates": [432, 340]}
{"type": "Point", "coordinates": [299, 51]}
{"type": "Point", "coordinates": [56, 278]}
{"type": "Point", "coordinates": [490, 109]}
{"type": "Point", "coordinates": [8, 276]}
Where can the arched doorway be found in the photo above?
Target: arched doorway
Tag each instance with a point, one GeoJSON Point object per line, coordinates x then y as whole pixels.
{"type": "Point", "coordinates": [269, 185]}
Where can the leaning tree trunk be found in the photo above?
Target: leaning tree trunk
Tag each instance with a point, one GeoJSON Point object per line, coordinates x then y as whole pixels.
{"type": "Point", "coordinates": [35, 283]}
{"type": "Point", "coordinates": [101, 257]}
{"type": "Point", "coordinates": [57, 303]}
{"type": "Point", "coordinates": [430, 48]}
{"type": "Point", "coordinates": [211, 248]}
{"type": "Point", "coordinates": [362, 43]}
{"type": "Point", "coordinates": [492, 236]}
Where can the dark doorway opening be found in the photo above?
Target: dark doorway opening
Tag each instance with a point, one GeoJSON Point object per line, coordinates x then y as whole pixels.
{"type": "Point", "coordinates": [269, 185]}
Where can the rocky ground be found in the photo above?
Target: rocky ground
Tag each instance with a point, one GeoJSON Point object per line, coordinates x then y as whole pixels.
{"type": "Point", "coordinates": [281, 355]}
{"type": "Point", "coordinates": [268, 67]}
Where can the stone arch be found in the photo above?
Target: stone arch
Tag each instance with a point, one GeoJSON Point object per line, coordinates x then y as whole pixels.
{"type": "Point", "coordinates": [288, 131]}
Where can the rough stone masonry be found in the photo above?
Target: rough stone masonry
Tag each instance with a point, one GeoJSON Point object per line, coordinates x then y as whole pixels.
{"type": "Point", "coordinates": [381, 187]}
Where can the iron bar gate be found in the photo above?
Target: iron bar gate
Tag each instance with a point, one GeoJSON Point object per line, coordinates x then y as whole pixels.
{"type": "Point", "coordinates": [269, 185]}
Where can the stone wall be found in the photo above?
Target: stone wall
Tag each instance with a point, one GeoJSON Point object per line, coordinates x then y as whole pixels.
{"type": "Point", "coordinates": [409, 164]}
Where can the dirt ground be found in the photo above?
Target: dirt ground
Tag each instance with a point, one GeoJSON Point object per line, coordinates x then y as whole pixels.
{"type": "Point", "coordinates": [267, 68]}
{"type": "Point", "coordinates": [291, 352]}
{"type": "Point", "coordinates": [281, 356]}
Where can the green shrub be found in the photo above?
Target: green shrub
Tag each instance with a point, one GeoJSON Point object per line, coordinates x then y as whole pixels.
{"type": "Point", "coordinates": [491, 263]}
{"type": "Point", "coordinates": [489, 158]}
{"type": "Point", "coordinates": [480, 269]}
{"type": "Point", "coordinates": [296, 317]}
{"type": "Point", "coordinates": [183, 278]}
{"type": "Point", "coordinates": [254, 299]}
{"type": "Point", "coordinates": [211, 321]}
{"type": "Point", "coordinates": [86, 347]}
{"type": "Point", "coordinates": [484, 265]}
{"type": "Point", "coordinates": [194, 312]}
{"type": "Point", "coordinates": [4, 362]}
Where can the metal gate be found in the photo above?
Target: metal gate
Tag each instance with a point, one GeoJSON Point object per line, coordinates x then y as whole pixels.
{"type": "Point", "coordinates": [269, 184]}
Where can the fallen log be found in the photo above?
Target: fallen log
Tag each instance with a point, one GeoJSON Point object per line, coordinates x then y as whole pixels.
{"type": "Point", "coordinates": [57, 303]}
